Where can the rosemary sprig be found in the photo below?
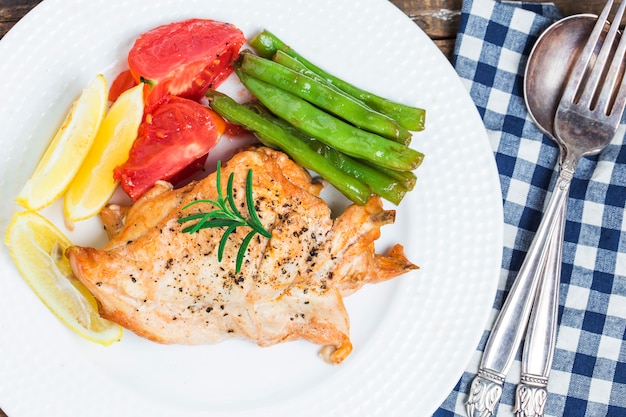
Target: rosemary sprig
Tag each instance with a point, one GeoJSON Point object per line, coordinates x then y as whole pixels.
{"type": "Point", "coordinates": [227, 215]}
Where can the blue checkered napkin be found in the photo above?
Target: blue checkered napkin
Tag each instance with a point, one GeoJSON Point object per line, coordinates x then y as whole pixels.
{"type": "Point", "coordinates": [589, 370]}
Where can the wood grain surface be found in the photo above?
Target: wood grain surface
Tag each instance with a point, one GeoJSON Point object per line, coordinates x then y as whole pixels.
{"type": "Point", "coordinates": [438, 18]}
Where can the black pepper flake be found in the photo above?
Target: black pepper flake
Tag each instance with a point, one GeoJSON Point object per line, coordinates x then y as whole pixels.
{"type": "Point", "coordinates": [133, 279]}
{"type": "Point", "coordinates": [169, 264]}
{"type": "Point", "coordinates": [99, 284]}
{"type": "Point", "coordinates": [209, 309]}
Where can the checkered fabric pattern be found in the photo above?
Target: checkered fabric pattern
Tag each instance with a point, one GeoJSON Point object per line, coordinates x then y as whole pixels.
{"type": "Point", "coordinates": [588, 375]}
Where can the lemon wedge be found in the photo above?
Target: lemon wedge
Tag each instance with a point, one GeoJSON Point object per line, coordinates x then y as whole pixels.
{"type": "Point", "coordinates": [38, 250]}
{"type": "Point", "coordinates": [68, 148]}
{"type": "Point", "coordinates": [93, 186]}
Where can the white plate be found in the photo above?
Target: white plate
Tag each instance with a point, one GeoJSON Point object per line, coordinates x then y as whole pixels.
{"type": "Point", "coordinates": [412, 337]}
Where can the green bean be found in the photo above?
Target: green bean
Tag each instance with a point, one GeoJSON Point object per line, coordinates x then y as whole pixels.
{"type": "Point", "coordinates": [379, 182]}
{"type": "Point", "coordinates": [287, 60]}
{"type": "Point", "coordinates": [320, 94]}
{"type": "Point", "coordinates": [412, 118]}
{"type": "Point", "coordinates": [330, 130]}
{"type": "Point", "coordinates": [282, 58]}
{"type": "Point", "coordinates": [299, 151]}
{"type": "Point", "coordinates": [405, 178]}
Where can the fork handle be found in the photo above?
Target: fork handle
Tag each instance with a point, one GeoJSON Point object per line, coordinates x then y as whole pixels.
{"type": "Point", "coordinates": [511, 323]}
{"type": "Point", "coordinates": [539, 345]}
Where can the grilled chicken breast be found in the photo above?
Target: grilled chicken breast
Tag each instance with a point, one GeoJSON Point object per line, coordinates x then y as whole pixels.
{"type": "Point", "coordinates": [170, 287]}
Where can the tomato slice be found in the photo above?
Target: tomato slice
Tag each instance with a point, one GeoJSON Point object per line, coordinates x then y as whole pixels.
{"type": "Point", "coordinates": [175, 136]}
{"type": "Point", "coordinates": [185, 58]}
{"type": "Point", "coordinates": [124, 81]}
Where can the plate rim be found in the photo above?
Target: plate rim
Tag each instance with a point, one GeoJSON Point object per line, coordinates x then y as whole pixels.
{"type": "Point", "coordinates": [22, 27]}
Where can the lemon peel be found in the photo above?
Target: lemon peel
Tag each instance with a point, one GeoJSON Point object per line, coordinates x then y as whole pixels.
{"type": "Point", "coordinates": [94, 185]}
{"type": "Point", "coordinates": [68, 148]}
{"type": "Point", "coordinates": [38, 251]}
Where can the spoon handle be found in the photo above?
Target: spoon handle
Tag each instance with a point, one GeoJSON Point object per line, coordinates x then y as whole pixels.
{"type": "Point", "coordinates": [508, 330]}
{"type": "Point", "coordinates": [531, 393]}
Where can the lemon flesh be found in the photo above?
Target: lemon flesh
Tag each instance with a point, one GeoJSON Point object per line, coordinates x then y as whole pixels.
{"type": "Point", "coordinates": [68, 148]}
{"type": "Point", "coordinates": [94, 185]}
{"type": "Point", "coordinates": [38, 250]}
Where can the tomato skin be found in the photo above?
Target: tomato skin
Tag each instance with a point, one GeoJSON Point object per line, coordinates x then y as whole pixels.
{"type": "Point", "coordinates": [185, 58]}
{"type": "Point", "coordinates": [175, 136]}
{"type": "Point", "coordinates": [235, 131]}
{"type": "Point", "coordinates": [124, 81]}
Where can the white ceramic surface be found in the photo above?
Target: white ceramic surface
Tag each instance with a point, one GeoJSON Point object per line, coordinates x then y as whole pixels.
{"type": "Point", "coordinates": [412, 337]}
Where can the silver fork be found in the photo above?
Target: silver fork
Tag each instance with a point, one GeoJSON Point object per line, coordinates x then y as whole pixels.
{"type": "Point", "coordinates": [586, 121]}
{"type": "Point", "coordinates": [583, 128]}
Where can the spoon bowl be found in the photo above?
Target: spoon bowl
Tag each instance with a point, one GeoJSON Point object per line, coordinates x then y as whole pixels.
{"type": "Point", "coordinates": [549, 65]}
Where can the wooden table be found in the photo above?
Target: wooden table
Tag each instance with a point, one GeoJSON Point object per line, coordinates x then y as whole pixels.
{"type": "Point", "coordinates": [438, 18]}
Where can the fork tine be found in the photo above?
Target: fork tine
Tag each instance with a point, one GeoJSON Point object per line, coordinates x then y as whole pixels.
{"type": "Point", "coordinates": [611, 79]}
{"type": "Point", "coordinates": [616, 111]}
{"type": "Point", "coordinates": [579, 70]}
{"type": "Point", "coordinates": [595, 77]}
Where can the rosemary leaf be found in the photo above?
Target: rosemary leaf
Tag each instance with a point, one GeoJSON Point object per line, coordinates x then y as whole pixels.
{"type": "Point", "coordinates": [231, 199]}
{"type": "Point", "coordinates": [223, 240]}
{"type": "Point", "coordinates": [227, 215]}
{"type": "Point", "coordinates": [209, 224]}
{"type": "Point", "coordinates": [254, 217]}
{"type": "Point", "coordinates": [242, 249]}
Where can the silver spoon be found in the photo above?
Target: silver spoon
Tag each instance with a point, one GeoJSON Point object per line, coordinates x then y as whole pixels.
{"type": "Point", "coordinates": [544, 82]}
{"type": "Point", "coordinates": [549, 65]}
{"type": "Point", "coordinates": [586, 120]}
{"type": "Point", "coordinates": [548, 69]}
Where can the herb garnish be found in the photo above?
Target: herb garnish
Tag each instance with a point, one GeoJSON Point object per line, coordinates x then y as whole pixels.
{"type": "Point", "coordinates": [227, 215]}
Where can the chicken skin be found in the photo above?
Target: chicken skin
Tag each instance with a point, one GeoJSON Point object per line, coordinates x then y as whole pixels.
{"type": "Point", "coordinates": [170, 287]}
